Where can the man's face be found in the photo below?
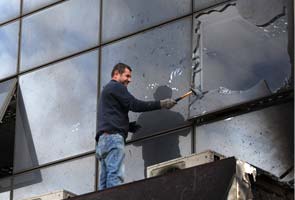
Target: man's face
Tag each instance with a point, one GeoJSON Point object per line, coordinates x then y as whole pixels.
{"type": "Point", "coordinates": [124, 78]}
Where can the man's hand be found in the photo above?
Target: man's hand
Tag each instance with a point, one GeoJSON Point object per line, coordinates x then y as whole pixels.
{"type": "Point", "coordinates": [167, 103]}
{"type": "Point", "coordinates": [133, 127]}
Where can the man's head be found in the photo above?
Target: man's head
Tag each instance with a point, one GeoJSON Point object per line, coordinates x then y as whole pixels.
{"type": "Point", "coordinates": [122, 73]}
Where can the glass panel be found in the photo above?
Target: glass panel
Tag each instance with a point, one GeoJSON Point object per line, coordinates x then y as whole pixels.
{"type": "Point", "coordinates": [263, 138]}
{"type": "Point", "coordinates": [129, 16]}
{"type": "Point", "coordinates": [9, 9]}
{"type": "Point", "coordinates": [59, 31]}
{"type": "Point", "coordinates": [7, 89]}
{"type": "Point", "coordinates": [161, 61]}
{"type": "Point", "coordinates": [30, 5]}
{"type": "Point", "coordinates": [56, 108]}
{"type": "Point", "coordinates": [8, 49]}
{"type": "Point", "coordinates": [145, 153]}
{"type": "Point", "coordinates": [247, 62]}
{"type": "Point", "coordinates": [5, 187]}
{"type": "Point", "coordinates": [202, 4]}
{"type": "Point", "coordinates": [70, 176]}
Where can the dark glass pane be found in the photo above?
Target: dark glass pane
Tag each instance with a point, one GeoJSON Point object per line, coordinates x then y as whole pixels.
{"type": "Point", "coordinates": [9, 9]}
{"type": "Point", "coordinates": [8, 49]}
{"type": "Point", "coordinates": [56, 108]}
{"type": "Point", "coordinates": [5, 187]}
{"type": "Point", "coordinates": [236, 60]}
{"type": "Point", "coordinates": [74, 176]}
{"type": "Point", "coordinates": [264, 138]}
{"type": "Point", "coordinates": [129, 16]}
{"type": "Point", "coordinates": [160, 60]}
{"type": "Point", "coordinates": [59, 31]}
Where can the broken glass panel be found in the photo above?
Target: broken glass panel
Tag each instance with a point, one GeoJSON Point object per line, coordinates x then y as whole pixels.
{"type": "Point", "coordinates": [161, 61]}
{"type": "Point", "coordinates": [235, 60]}
{"type": "Point", "coordinates": [8, 49]}
{"type": "Point", "coordinates": [31, 5]}
{"type": "Point", "coordinates": [129, 16]}
{"type": "Point", "coordinates": [263, 138]}
{"type": "Point", "coordinates": [202, 4]}
{"type": "Point", "coordinates": [7, 126]}
{"type": "Point", "coordinates": [44, 41]}
{"type": "Point", "coordinates": [56, 107]}
{"type": "Point", "coordinates": [7, 89]}
{"type": "Point", "coordinates": [9, 9]}
{"type": "Point", "coordinates": [149, 152]}
{"type": "Point", "coordinates": [74, 176]}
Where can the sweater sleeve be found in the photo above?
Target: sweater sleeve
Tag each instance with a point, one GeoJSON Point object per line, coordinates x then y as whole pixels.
{"type": "Point", "coordinates": [129, 102]}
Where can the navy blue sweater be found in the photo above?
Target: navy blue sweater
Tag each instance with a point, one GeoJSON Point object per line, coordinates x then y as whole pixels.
{"type": "Point", "coordinates": [113, 107]}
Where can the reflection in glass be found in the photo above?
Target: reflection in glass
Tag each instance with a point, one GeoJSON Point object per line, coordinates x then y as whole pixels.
{"type": "Point", "coordinates": [7, 89]}
{"type": "Point", "coordinates": [140, 155]}
{"type": "Point", "coordinates": [31, 5]}
{"type": "Point", "coordinates": [9, 9]}
{"type": "Point", "coordinates": [8, 49]}
{"type": "Point", "coordinates": [129, 16]}
{"type": "Point", "coordinates": [236, 60]}
{"type": "Point", "coordinates": [160, 57]}
{"type": "Point", "coordinates": [56, 107]}
{"type": "Point", "coordinates": [59, 31]}
{"type": "Point", "coordinates": [74, 176]}
{"type": "Point", "coordinates": [263, 138]}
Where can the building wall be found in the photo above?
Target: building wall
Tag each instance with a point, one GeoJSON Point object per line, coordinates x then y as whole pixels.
{"type": "Point", "coordinates": [62, 53]}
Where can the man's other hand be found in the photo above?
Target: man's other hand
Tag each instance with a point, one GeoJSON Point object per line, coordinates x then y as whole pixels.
{"type": "Point", "coordinates": [134, 127]}
{"type": "Point", "coordinates": [167, 103]}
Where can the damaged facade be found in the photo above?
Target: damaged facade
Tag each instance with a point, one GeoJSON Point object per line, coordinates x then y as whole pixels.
{"type": "Point", "coordinates": [56, 56]}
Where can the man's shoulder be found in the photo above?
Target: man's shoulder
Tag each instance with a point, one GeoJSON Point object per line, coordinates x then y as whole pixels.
{"type": "Point", "coordinates": [113, 85]}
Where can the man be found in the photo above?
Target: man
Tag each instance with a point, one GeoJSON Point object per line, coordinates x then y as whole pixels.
{"type": "Point", "coordinates": [113, 124]}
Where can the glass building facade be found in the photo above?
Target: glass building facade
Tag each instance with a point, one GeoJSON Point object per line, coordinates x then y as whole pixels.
{"type": "Point", "coordinates": [57, 55]}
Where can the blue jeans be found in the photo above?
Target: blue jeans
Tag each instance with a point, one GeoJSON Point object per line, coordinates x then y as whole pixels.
{"type": "Point", "coordinates": [110, 152]}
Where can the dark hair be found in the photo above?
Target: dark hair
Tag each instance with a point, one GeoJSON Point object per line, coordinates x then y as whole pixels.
{"type": "Point", "coordinates": [120, 67]}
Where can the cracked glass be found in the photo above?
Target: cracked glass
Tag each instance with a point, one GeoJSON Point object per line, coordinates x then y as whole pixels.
{"type": "Point", "coordinates": [129, 16]}
{"type": "Point", "coordinates": [56, 107]}
{"type": "Point", "coordinates": [8, 49]}
{"type": "Point", "coordinates": [75, 176]}
{"type": "Point", "coordinates": [263, 138]}
{"type": "Point", "coordinates": [9, 9]}
{"type": "Point", "coordinates": [239, 55]}
{"type": "Point", "coordinates": [202, 4]}
{"type": "Point", "coordinates": [160, 62]}
{"type": "Point", "coordinates": [59, 31]}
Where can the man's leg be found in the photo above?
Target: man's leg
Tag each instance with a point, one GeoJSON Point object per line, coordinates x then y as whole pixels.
{"type": "Point", "coordinates": [102, 175]}
{"type": "Point", "coordinates": [114, 165]}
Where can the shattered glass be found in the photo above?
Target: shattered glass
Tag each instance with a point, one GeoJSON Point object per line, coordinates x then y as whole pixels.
{"type": "Point", "coordinates": [263, 138]}
{"type": "Point", "coordinates": [160, 62]}
{"type": "Point", "coordinates": [236, 60]}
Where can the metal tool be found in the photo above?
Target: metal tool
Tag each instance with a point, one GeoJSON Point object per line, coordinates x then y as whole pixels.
{"type": "Point", "coordinates": [192, 91]}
